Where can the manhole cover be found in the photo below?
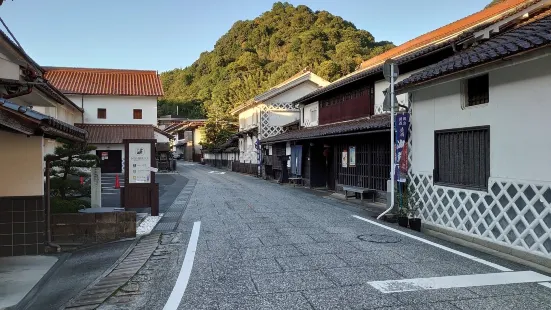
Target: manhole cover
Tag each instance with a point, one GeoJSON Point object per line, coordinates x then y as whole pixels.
{"type": "Point", "coordinates": [379, 238]}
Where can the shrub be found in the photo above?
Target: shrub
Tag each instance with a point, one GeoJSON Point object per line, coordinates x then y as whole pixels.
{"type": "Point", "coordinates": [59, 205]}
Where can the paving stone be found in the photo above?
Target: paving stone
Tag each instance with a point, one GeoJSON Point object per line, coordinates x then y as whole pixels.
{"type": "Point", "coordinates": [325, 248]}
{"type": "Point", "coordinates": [357, 297]}
{"type": "Point", "coordinates": [247, 267]}
{"type": "Point", "coordinates": [335, 237]}
{"type": "Point", "coordinates": [270, 252]}
{"type": "Point", "coordinates": [432, 306]}
{"type": "Point", "coordinates": [429, 296]}
{"type": "Point", "coordinates": [428, 269]}
{"type": "Point", "coordinates": [291, 281]}
{"type": "Point", "coordinates": [311, 262]}
{"type": "Point", "coordinates": [372, 258]}
{"type": "Point", "coordinates": [286, 239]}
{"type": "Point", "coordinates": [301, 231]}
{"type": "Point", "coordinates": [517, 302]}
{"type": "Point", "coordinates": [263, 226]}
{"type": "Point", "coordinates": [361, 275]}
{"type": "Point", "coordinates": [284, 301]}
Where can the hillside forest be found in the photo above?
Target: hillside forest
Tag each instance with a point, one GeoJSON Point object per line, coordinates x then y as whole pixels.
{"type": "Point", "coordinates": [255, 55]}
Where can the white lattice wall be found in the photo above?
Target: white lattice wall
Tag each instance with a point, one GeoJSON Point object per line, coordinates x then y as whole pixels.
{"type": "Point", "coordinates": [267, 129]}
{"type": "Point", "coordinates": [512, 212]}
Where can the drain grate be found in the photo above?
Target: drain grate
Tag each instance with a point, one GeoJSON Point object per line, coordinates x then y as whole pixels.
{"type": "Point", "coordinates": [375, 238]}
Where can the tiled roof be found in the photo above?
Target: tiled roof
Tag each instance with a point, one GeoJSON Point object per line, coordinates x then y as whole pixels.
{"type": "Point", "coordinates": [524, 38]}
{"type": "Point", "coordinates": [52, 127]}
{"type": "Point", "coordinates": [162, 132]}
{"type": "Point", "coordinates": [416, 49]}
{"type": "Point", "coordinates": [117, 82]}
{"type": "Point", "coordinates": [445, 31]}
{"type": "Point", "coordinates": [367, 124]}
{"type": "Point", "coordinates": [108, 134]}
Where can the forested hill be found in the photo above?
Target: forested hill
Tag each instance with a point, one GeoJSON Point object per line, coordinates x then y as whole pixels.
{"type": "Point", "coordinates": [255, 55]}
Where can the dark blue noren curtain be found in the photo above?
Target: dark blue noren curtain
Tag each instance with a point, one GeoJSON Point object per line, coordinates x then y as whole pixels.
{"type": "Point", "coordinates": [296, 160]}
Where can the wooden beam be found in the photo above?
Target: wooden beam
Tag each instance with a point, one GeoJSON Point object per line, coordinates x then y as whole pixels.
{"type": "Point", "coordinates": [7, 119]}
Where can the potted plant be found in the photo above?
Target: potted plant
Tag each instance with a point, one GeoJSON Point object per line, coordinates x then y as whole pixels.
{"type": "Point", "coordinates": [403, 216]}
{"type": "Point", "coordinates": [413, 207]}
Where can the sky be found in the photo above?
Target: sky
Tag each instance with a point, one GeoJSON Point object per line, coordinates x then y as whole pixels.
{"type": "Point", "coordinates": [166, 34]}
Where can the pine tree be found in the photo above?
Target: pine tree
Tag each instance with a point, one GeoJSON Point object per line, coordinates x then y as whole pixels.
{"type": "Point", "coordinates": [71, 161]}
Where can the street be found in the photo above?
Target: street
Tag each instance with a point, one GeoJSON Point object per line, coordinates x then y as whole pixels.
{"type": "Point", "coordinates": [260, 245]}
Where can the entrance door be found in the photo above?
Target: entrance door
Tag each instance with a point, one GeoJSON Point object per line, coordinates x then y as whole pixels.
{"type": "Point", "coordinates": [110, 161]}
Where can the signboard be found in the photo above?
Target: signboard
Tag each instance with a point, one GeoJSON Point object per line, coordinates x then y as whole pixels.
{"type": "Point", "coordinates": [95, 184]}
{"type": "Point", "coordinates": [344, 159]}
{"type": "Point", "coordinates": [139, 161]}
{"type": "Point", "coordinates": [401, 157]}
{"type": "Point", "coordinates": [104, 155]}
{"type": "Point", "coordinates": [352, 156]}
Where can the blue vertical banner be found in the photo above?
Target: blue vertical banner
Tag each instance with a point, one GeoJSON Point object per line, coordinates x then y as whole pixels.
{"type": "Point", "coordinates": [401, 149]}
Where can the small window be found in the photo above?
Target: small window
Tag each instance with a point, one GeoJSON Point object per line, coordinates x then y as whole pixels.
{"type": "Point", "coordinates": [462, 157]}
{"type": "Point", "coordinates": [313, 115]}
{"type": "Point", "coordinates": [137, 113]}
{"type": "Point", "coordinates": [478, 90]}
{"type": "Point", "coordinates": [102, 113]}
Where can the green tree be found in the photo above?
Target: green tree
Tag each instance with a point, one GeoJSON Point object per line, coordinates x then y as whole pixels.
{"type": "Point", "coordinates": [70, 161]}
{"type": "Point", "coordinates": [255, 55]}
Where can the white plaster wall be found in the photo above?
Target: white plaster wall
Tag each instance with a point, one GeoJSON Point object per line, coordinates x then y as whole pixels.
{"type": "Point", "coordinates": [161, 138]}
{"type": "Point", "coordinates": [8, 69]}
{"type": "Point", "coordinates": [280, 118]}
{"type": "Point", "coordinates": [381, 85]}
{"type": "Point", "coordinates": [518, 115]}
{"type": "Point", "coordinates": [310, 120]}
{"type": "Point", "coordinates": [294, 93]}
{"type": "Point", "coordinates": [197, 139]}
{"type": "Point", "coordinates": [119, 109]}
{"type": "Point", "coordinates": [249, 118]}
{"type": "Point", "coordinates": [21, 165]}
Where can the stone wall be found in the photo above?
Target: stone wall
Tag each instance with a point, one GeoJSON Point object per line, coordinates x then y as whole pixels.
{"type": "Point", "coordinates": [84, 228]}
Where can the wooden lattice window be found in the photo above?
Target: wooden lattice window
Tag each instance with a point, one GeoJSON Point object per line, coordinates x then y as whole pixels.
{"type": "Point", "coordinates": [478, 90]}
{"type": "Point", "coordinates": [462, 157]}
{"type": "Point", "coordinates": [137, 113]}
{"type": "Point", "coordinates": [102, 113]}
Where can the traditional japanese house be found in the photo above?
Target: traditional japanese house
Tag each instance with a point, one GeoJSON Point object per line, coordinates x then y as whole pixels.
{"type": "Point", "coordinates": [189, 133]}
{"type": "Point", "coordinates": [27, 133]}
{"type": "Point", "coordinates": [265, 115]}
{"type": "Point", "coordinates": [344, 135]}
{"type": "Point", "coordinates": [479, 147]}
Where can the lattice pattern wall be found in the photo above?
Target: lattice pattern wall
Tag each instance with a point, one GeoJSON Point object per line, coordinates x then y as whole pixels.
{"type": "Point", "coordinates": [512, 212]}
{"type": "Point", "coordinates": [266, 128]}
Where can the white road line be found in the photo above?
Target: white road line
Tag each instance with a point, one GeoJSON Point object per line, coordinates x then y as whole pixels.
{"type": "Point", "coordinates": [445, 248]}
{"type": "Point", "coordinates": [474, 258]}
{"type": "Point", "coordinates": [501, 278]}
{"type": "Point", "coordinates": [181, 283]}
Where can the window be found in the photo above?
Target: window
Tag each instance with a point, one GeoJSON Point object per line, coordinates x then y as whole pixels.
{"type": "Point", "coordinates": [477, 90]}
{"type": "Point", "coordinates": [137, 113]}
{"type": "Point", "coordinates": [462, 157]}
{"type": "Point", "coordinates": [102, 113]}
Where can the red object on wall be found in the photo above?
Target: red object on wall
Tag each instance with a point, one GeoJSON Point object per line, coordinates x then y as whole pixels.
{"type": "Point", "coordinates": [117, 182]}
{"type": "Point", "coordinates": [81, 180]}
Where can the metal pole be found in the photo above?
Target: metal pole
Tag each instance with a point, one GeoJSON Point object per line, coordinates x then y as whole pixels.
{"type": "Point", "coordinates": [392, 155]}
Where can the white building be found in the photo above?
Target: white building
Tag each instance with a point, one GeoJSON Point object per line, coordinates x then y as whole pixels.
{"type": "Point", "coordinates": [479, 152]}
{"type": "Point", "coordinates": [117, 104]}
{"type": "Point", "coordinates": [265, 115]}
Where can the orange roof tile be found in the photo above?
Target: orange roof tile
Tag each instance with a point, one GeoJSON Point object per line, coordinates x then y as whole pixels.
{"type": "Point", "coordinates": [118, 82]}
{"type": "Point", "coordinates": [444, 32]}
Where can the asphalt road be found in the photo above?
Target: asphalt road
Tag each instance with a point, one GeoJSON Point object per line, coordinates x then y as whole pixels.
{"type": "Point", "coordinates": [267, 246]}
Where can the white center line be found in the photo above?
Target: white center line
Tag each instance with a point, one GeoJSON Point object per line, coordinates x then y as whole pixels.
{"type": "Point", "coordinates": [445, 248]}
{"type": "Point", "coordinates": [434, 283]}
{"type": "Point", "coordinates": [181, 283]}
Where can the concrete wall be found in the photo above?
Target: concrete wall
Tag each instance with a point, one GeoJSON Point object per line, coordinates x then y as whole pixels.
{"type": "Point", "coordinates": [119, 109]}
{"type": "Point", "coordinates": [21, 165]}
{"type": "Point", "coordinates": [161, 138]}
{"type": "Point", "coordinates": [517, 114]}
{"type": "Point", "coordinates": [87, 228]}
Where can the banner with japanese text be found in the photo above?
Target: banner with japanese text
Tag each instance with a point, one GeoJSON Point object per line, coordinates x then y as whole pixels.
{"type": "Point", "coordinates": [401, 149]}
